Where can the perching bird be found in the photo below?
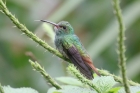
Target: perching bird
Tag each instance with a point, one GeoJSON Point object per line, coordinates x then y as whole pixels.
{"type": "Point", "coordinates": [70, 46]}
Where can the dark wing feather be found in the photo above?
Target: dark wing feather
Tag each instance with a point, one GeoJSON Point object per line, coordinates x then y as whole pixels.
{"type": "Point", "coordinates": [76, 59]}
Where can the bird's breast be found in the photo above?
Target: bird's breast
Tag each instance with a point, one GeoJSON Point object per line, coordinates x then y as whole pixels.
{"type": "Point", "coordinates": [58, 44]}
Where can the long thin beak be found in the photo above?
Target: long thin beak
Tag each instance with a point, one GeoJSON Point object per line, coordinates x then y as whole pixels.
{"type": "Point", "coordinates": [48, 22]}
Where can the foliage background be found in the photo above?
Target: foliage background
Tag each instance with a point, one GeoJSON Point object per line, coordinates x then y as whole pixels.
{"type": "Point", "coordinates": [93, 21]}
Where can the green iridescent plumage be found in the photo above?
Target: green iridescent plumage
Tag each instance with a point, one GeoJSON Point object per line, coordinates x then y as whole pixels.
{"type": "Point", "coordinates": [70, 46]}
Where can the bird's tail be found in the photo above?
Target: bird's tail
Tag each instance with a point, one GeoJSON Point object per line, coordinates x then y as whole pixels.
{"type": "Point", "coordinates": [95, 70]}
{"type": "Point", "coordinates": [88, 61]}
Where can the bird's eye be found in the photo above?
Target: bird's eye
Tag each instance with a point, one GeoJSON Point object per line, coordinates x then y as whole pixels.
{"type": "Point", "coordinates": [64, 27]}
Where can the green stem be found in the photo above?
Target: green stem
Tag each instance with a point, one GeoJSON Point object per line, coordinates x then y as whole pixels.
{"type": "Point", "coordinates": [71, 68]}
{"type": "Point", "coordinates": [121, 46]}
{"type": "Point", "coordinates": [31, 35]}
{"type": "Point", "coordinates": [38, 68]}
{"type": "Point", "coordinates": [116, 78]}
{"type": "Point", "coordinates": [1, 89]}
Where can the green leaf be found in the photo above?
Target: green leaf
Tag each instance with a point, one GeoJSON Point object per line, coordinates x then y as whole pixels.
{"type": "Point", "coordinates": [71, 89]}
{"type": "Point", "coordinates": [133, 89]}
{"type": "Point", "coordinates": [8, 89]}
{"type": "Point", "coordinates": [104, 83]}
{"type": "Point", "coordinates": [114, 90]}
{"type": "Point", "coordinates": [69, 81]}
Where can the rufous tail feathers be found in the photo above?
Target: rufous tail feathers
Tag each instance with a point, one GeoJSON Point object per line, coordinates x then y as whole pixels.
{"type": "Point", "coordinates": [89, 62]}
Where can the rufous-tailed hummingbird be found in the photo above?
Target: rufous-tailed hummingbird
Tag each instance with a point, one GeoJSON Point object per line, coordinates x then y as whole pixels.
{"type": "Point", "coordinates": [70, 46]}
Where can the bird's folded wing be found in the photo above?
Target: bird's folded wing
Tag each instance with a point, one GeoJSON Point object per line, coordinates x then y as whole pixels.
{"type": "Point", "coordinates": [75, 57]}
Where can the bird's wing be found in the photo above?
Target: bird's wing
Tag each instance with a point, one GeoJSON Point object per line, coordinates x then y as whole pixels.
{"type": "Point", "coordinates": [75, 57]}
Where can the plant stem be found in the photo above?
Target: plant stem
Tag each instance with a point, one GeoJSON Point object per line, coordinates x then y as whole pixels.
{"type": "Point", "coordinates": [121, 46]}
{"type": "Point", "coordinates": [71, 68]}
{"type": "Point", "coordinates": [116, 78]}
{"type": "Point", "coordinates": [29, 33]}
{"type": "Point", "coordinates": [48, 78]}
{"type": "Point", "coordinates": [1, 89]}
{"type": "Point", "coordinates": [35, 38]}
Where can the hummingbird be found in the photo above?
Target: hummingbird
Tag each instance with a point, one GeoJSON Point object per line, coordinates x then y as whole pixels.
{"type": "Point", "coordinates": [70, 46]}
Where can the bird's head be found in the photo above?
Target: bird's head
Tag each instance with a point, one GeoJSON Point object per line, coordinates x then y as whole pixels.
{"type": "Point", "coordinates": [61, 28]}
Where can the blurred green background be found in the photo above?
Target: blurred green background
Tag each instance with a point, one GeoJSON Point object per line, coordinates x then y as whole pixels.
{"type": "Point", "coordinates": [94, 23]}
